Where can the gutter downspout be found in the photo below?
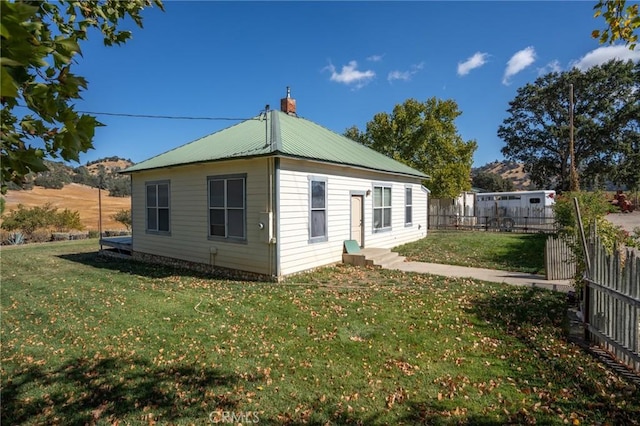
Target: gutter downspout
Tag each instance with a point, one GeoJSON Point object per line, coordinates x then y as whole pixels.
{"type": "Point", "coordinates": [276, 216]}
{"type": "Point", "coordinates": [275, 144]}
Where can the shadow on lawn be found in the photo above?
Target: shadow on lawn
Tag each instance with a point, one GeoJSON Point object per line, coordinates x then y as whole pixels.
{"type": "Point", "coordinates": [538, 319]}
{"type": "Point", "coordinates": [134, 267]}
{"type": "Point", "coordinates": [85, 391]}
{"type": "Point", "coordinates": [525, 254]}
{"type": "Point", "coordinates": [513, 309]}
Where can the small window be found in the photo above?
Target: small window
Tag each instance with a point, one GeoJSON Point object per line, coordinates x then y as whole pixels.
{"type": "Point", "coordinates": [534, 200]}
{"type": "Point", "coordinates": [317, 210]}
{"type": "Point", "coordinates": [381, 207]}
{"type": "Point", "coordinates": [157, 201]}
{"type": "Point", "coordinates": [408, 207]}
{"type": "Point", "coordinates": [227, 207]}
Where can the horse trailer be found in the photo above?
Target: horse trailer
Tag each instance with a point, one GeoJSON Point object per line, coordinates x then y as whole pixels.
{"type": "Point", "coordinates": [523, 209]}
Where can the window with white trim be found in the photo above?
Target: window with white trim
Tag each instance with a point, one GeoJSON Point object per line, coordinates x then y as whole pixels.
{"type": "Point", "coordinates": [227, 207]}
{"type": "Point", "coordinates": [157, 202]}
{"type": "Point", "coordinates": [317, 210]}
{"type": "Point", "coordinates": [408, 206]}
{"type": "Point", "coordinates": [381, 207]}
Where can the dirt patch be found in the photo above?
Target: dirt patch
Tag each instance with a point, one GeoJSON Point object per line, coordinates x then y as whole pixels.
{"type": "Point", "coordinates": [74, 197]}
{"type": "Point", "coordinates": [627, 221]}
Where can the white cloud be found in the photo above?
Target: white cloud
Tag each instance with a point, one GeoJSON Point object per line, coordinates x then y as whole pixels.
{"type": "Point", "coordinates": [405, 75]}
{"type": "Point", "coordinates": [375, 58]}
{"type": "Point", "coordinates": [476, 61]}
{"type": "Point", "coordinates": [553, 66]}
{"type": "Point", "coordinates": [602, 55]}
{"type": "Point", "coordinates": [350, 75]}
{"type": "Point", "coordinates": [518, 62]}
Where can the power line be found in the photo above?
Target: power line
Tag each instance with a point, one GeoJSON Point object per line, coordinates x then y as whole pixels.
{"type": "Point", "coordinates": [167, 117]}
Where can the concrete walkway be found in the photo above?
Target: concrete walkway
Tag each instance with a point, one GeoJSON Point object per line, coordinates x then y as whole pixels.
{"type": "Point", "coordinates": [491, 275]}
{"type": "Point", "coordinates": [388, 259]}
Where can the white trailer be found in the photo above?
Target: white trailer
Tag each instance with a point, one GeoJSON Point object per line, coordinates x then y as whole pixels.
{"type": "Point", "coordinates": [525, 209]}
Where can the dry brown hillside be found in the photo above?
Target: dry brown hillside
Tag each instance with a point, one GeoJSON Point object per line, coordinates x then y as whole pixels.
{"type": "Point", "coordinates": [118, 164]}
{"type": "Point", "coordinates": [510, 171]}
{"type": "Point", "coordinates": [74, 196]}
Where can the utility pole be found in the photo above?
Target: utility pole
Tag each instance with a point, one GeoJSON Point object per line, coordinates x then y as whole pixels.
{"type": "Point", "coordinates": [574, 183]}
{"type": "Point", "coordinates": [100, 211]}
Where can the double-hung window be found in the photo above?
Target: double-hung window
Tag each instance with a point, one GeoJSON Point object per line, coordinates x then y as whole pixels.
{"type": "Point", "coordinates": [227, 207]}
{"type": "Point", "coordinates": [381, 207]}
{"type": "Point", "coordinates": [408, 206]}
{"type": "Point", "coordinates": [317, 210]}
{"type": "Point", "coordinates": [157, 201]}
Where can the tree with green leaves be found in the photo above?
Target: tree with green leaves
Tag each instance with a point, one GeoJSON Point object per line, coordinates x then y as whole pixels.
{"type": "Point", "coordinates": [606, 113]}
{"type": "Point", "coordinates": [622, 21]}
{"type": "Point", "coordinates": [423, 135]}
{"type": "Point", "coordinates": [491, 182]}
{"type": "Point", "coordinates": [40, 44]}
{"type": "Point", "coordinates": [124, 217]}
{"type": "Point", "coordinates": [28, 220]}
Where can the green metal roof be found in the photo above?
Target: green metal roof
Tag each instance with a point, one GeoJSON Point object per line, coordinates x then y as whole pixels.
{"type": "Point", "coordinates": [280, 134]}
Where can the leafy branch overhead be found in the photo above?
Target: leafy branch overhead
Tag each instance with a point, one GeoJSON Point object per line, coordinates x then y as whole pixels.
{"type": "Point", "coordinates": [622, 22]}
{"type": "Point", "coordinates": [40, 45]}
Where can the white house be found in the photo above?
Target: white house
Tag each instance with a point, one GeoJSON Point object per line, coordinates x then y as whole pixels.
{"type": "Point", "coordinates": [272, 196]}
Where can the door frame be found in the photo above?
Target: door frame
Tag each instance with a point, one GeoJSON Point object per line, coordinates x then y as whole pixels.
{"type": "Point", "coordinates": [362, 196]}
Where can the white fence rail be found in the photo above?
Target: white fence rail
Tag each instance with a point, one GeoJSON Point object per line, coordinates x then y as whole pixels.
{"type": "Point", "coordinates": [559, 258]}
{"type": "Point", "coordinates": [612, 303]}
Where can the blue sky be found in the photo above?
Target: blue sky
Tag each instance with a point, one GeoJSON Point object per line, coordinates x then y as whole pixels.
{"type": "Point", "coordinates": [344, 62]}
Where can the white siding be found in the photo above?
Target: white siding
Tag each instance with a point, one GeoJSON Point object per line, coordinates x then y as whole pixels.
{"type": "Point", "coordinates": [188, 239]}
{"type": "Point", "coordinates": [296, 253]}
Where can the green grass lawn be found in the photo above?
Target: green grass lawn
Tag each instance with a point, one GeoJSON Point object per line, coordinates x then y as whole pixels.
{"type": "Point", "coordinates": [87, 340]}
{"type": "Point", "coordinates": [493, 250]}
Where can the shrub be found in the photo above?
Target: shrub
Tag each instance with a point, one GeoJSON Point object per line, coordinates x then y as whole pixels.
{"type": "Point", "coordinates": [40, 236]}
{"type": "Point", "coordinates": [28, 220]}
{"type": "Point", "coordinates": [4, 237]}
{"type": "Point", "coordinates": [60, 236]}
{"type": "Point", "coordinates": [41, 217]}
{"type": "Point", "coordinates": [67, 220]}
{"type": "Point", "coordinates": [594, 206]}
{"type": "Point", "coordinates": [123, 217]}
{"type": "Point", "coordinates": [16, 238]}
{"type": "Point", "coordinates": [93, 233]}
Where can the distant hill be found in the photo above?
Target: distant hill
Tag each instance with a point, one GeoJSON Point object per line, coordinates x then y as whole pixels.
{"type": "Point", "coordinates": [99, 173]}
{"type": "Point", "coordinates": [76, 189]}
{"type": "Point", "coordinates": [109, 163]}
{"type": "Point", "coordinates": [509, 170]}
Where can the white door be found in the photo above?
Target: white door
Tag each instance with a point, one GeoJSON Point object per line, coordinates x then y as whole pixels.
{"type": "Point", "coordinates": [357, 225]}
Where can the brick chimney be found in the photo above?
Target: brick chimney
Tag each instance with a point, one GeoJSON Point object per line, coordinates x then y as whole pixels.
{"type": "Point", "coordinates": [288, 104]}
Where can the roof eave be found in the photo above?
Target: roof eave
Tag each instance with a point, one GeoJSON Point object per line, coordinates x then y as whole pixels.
{"type": "Point", "coordinates": [355, 166]}
{"type": "Point", "coordinates": [192, 163]}
{"type": "Point", "coordinates": [279, 154]}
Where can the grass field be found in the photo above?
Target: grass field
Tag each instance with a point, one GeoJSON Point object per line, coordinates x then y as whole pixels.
{"type": "Point", "coordinates": [492, 250]}
{"type": "Point", "coordinates": [87, 340]}
{"type": "Point", "coordinates": [74, 197]}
